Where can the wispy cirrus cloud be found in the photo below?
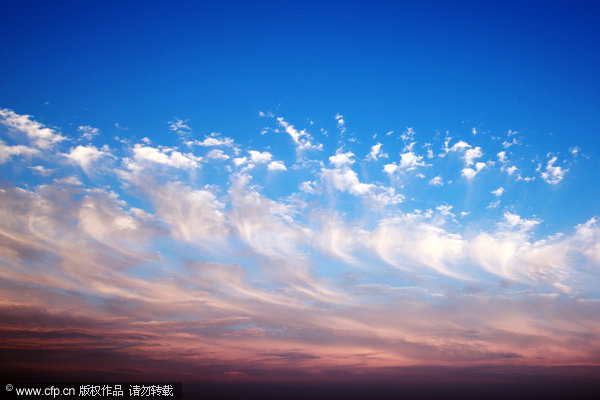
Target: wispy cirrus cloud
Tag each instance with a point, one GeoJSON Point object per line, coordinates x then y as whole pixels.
{"type": "Point", "coordinates": [242, 259]}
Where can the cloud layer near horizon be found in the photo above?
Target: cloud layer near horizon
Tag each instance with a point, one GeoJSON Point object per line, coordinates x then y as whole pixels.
{"type": "Point", "coordinates": [242, 259]}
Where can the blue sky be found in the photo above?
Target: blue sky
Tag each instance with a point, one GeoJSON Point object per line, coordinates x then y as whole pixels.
{"type": "Point", "coordinates": [317, 159]}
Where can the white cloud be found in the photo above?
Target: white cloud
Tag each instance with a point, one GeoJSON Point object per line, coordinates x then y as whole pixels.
{"type": "Point", "coordinates": [470, 173]}
{"type": "Point", "coordinates": [7, 152]}
{"type": "Point", "coordinates": [260, 157]}
{"type": "Point", "coordinates": [515, 221]}
{"type": "Point", "coordinates": [410, 161]}
{"type": "Point", "coordinates": [307, 187]}
{"type": "Point", "coordinates": [376, 152]}
{"type": "Point", "coordinates": [553, 174]}
{"type": "Point", "coordinates": [239, 161]}
{"type": "Point", "coordinates": [502, 156]}
{"type": "Point", "coordinates": [277, 166]}
{"type": "Point", "coordinates": [194, 216]}
{"type": "Point", "coordinates": [498, 192]}
{"type": "Point", "coordinates": [340, 122]}
{"type": "Point", "coordinates": [217, 154]}
{"type": "Point", "coordinates": [40, 169]}
{"type": "Point", "coordinates": [472, 154]}
{"type": "Point", "coordinates": [179, 126]}
{"type": "Point", "coordinates": [340, 159]}
{"type": "Point", "coordinates": [145, 154]}
{"type": "Point", "coordinates": [458, 146]}
{"type": "Point", "coordinates": [88, 132]}
{"type": "Point", "coordinates": [301, 139]}
{"type": "Point", "coordinates": [85, 156]}
{"type": "Point", "coordinates": [436, 181]}
{"type": "Point", "coordinates": [408, 135]}
{"type": "Point", "coordinates": [493, 204]}
{"type": "Point", "coordinates": [410, 243]}
{"type": "Point", "coordinates": [213, 140]}
{"type": "Point", "coordinates": [346, 180]}
{"type": "Point", "coordinates": [39, 135]}
{"type": "Point", "coordinates": [265, 225]}
{"type": "Point", "coordinates": [390, 168]}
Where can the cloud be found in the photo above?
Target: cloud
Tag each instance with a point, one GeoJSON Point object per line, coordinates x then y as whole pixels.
{"type": "Point", "coordinates": [470, 173]}
{"type": "Point", "coordinates": [194, 216]}
{"type": "Point", "coordinates": [213, 140]}
{"type": "Point", "coordinates": [301, 139]}
{"type": "Point", "coordinates": [7, 152]}
{"type": "Point", "coordinates": [376, 153]}
{"type": "Point", "coordinates": [553, 174]}
{"type": "Point", "coordinates": [223, 274]}
{"type": "Point", "coordinates": [502, 156]}
{"type": "Point", "coordinates": [39, 135]}
{"type": "Point", "coordinates": [410, 243]}
{"type": "Point", "coordinates": [436, 181]}
{"type": "Point", "coordinates": [217, 154]}
{"type": "Point", "coordinates": [180, 126]}
{"type": "Point", "coordinates": [277, 166]}
{"type": "Point", "coordinates": [410, 161]}
{"type": "Point", "coordinates": [260, 157]}
{"type": "Point", "coordinates": [498, 192]}
{"type": "Point", "coordinates": [340, 123]}
{"type": "Point", "coordinates": [146, 155]}
{"type": "Point", "coordinates": [86, 156]}
{"type": "Point", "coordinates": [340, 159]}
{"type": "Point", "coordinates": [88, 132]}
{"type": "Point", "coordinates": [345, 180]}
{"type": "Point", "coordinates": [472, 154]}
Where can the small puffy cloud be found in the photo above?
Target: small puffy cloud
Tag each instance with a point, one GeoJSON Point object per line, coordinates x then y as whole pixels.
{"type": "Point", "coordinates": [260, 157]}
{"type": "Point", "coordinates": [217, 154]}
{"type": "Point", "coordinates": [85, 156]}
{"type": "Point", "coordinates": [470, 173]}
{"type": "Point", "coordinates": [239, 161]}
{"type": "Point", "coordinates": [277, 166]}
{"type": "Point", "coordinates": [376, 152]}
{"type": "Point", "coordinates": [498, 192]}
{"type": "Point", "coordinates": [514, 221]}
{"type": "Point", "coordinates": [574, 150]}
{"type": "Point", "coordinates": [179, 126]}
{"type": "Point", "coordinates": [88, 132]}
{"type": "Point", "coordinates": [458, 146]}
{"type": "Point", "coordinates": [408, 135]}
{"type": "Point", "coordinates": [553, 174]}
{"type": "Point", "coordinates": [168, 157]}
{"type": "Point", "coordinates": [7, 152]}
{"type": "Point", "coordinates": [307, 187]}
{"type": "Point", "coordinates": [409, 161]}
{"type": "Point", "coordinates": [390, 168]}
{"type": "Point", "coordinates": [346, 180]}
{"type": "Point", "coordinates": [510, 170]}
{"type": "Point", "coordinates": [39, 135]}
{"type": "Point", "coordinates": [213, 140]}
{"type": "Point", "coordinates": [436, 181]}
{"type": "Point", "coordinates": [494, 204]}
{"type": "Point", "coordinates": [341, 159]}
{"type": "Point", "coordinates": [43, 171]}
{"type": "Point", "coordinates": [502, 156]}
{"type": "Point", "coordinates": [472, 154]}
{"type": "Point", "coordinates": [340, 122]}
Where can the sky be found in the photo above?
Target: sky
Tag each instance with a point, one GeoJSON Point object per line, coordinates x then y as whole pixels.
{"type": "Point", "coordinates": [265, 191]}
